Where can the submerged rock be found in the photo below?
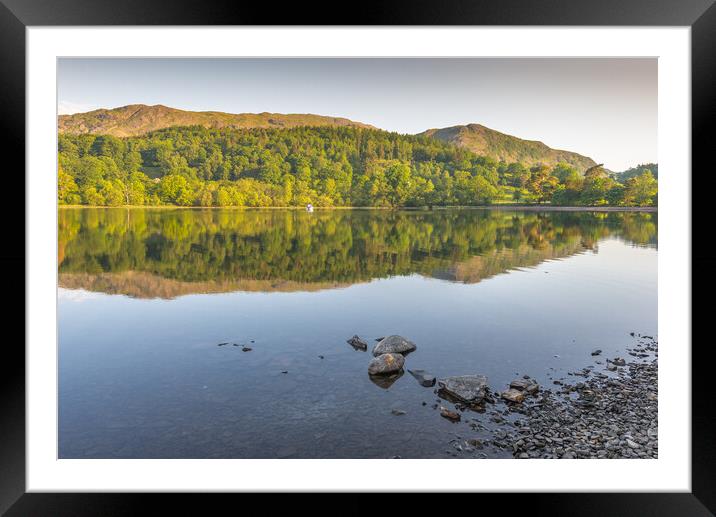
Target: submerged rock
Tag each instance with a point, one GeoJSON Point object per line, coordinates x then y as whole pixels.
{"type": "Point", "coordinates": [393, 345]}
{"type": "Point", "coordinates": [596, 352]}
{"type": "Point", "coordinates": [449, 414]}
{"type": "Point", "coordinates": [385, 381]}
{"type": "Point", "coordinates": [513, 395]}
{"type": "Point", "coordinates": [423, 377]}
{"type": "Point", "coordinates": [397, 412]}
{"type": "Point", "coordinates": [527, 385]}
{"type": "Point", "coordinates": [246, 349]}
{"type": "Point", "coordinates": [386, 364]}
{"type": "Point", "coordinates": [466, 388]}
{"type": "Point", "coordinates": [357, 343]}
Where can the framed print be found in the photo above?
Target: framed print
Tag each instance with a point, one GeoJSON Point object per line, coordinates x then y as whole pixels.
{"type": "Point", "coordinates": [311, 257]}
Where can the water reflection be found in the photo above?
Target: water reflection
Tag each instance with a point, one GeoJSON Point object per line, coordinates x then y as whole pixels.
{"type": "Point", "coordinates": [159, 253]}
{"type": "Point", "coordinates": [386, 381]}
{"type": "Point", "coordinates": [145, 378]}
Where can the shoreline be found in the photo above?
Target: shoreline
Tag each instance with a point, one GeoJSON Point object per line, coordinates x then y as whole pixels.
{"type": "Point", "coordinates": [611, 413]}
{"type": "Point", "coordinates": [534, 208]}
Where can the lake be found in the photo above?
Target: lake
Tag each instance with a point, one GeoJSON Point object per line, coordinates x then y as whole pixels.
{"type": "Point", "coordinates": [148, 297]}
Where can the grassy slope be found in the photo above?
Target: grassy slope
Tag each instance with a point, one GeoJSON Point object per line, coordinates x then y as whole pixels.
{"type": "Point", "coordinates": [138, 119]}
{"type": "Point", "coordinates": [485, 141]}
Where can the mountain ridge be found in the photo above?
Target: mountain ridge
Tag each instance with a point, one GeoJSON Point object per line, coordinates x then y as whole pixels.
{"type": "Point", "coordinates": [139, 119]}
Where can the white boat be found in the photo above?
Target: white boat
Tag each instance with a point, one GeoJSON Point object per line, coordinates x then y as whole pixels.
{"type": "Point", "coordinates": [309, 207]}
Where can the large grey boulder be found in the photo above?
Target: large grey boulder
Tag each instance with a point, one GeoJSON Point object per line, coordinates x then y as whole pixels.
{"type": "Point", "coordinates": [386, 364]}
{"type": "Point", "coordinates": [470, 389]}
{"type": "Point", "coordinates": [393, 345]}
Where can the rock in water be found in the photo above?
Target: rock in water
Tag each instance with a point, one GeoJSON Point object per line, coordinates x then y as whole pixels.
{"type": "Point", "coordinates": [450, 415]}
{"type": "Point", "coordinates": [513, 395]}
{"type": "Point", "coordinates": [466, 388]}
{"type": "Point", "coordinates": [423, 377]}
{"type": "Point", "coordinates": [386, 364]}
{"type": "Point", "coordinates": [393, 345]}
{"type": "Point", "coordinates": [618, 361]}
{"type": "Point", "coordinates": [358, 343]}
{"type": "Point", "coordinates": [596, 352]}
{"type": "Point", "coordinates": [527, 385]}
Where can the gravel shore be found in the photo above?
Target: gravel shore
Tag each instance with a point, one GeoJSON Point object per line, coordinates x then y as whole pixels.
{"type": "Point", "coordinates": [611, 413]}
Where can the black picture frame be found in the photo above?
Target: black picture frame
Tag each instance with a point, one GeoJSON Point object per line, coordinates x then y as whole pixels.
{"type": "Point", "coordinates": [700, 15]}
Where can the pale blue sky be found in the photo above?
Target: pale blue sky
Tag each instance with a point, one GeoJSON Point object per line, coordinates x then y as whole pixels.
{"type": "Point", "coordinates": [602, 108]}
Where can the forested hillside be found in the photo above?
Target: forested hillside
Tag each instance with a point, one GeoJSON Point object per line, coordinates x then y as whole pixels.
{"type": "Point", "coordinates": [638, 171]}
{"type": "Point", "coordinates": [325, 166]}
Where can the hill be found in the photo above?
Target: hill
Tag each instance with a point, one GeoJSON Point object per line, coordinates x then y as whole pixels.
{"type": "Point", "coordinates": [155, 155]}
{"type": "Point", "coordinates": [502, 147]}
{"type": "Point", "coordinates": [139, 119]}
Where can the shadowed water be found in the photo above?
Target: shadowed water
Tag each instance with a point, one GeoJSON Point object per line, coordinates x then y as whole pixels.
{"type": "Point", "coordinates": [146, 296]}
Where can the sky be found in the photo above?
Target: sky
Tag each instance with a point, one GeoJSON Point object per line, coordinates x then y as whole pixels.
{"type": "Point", "coordinates": [604, 108]}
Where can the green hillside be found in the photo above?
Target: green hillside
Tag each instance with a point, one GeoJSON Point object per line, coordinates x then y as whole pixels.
{"type": "Point", "coordinates": [637, 171]}
{"type": "Point", "coordinates": [324, 166]}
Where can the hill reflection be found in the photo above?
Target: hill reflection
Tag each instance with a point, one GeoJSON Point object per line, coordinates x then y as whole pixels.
{"type": "Point", "coordinates": [164, 253]}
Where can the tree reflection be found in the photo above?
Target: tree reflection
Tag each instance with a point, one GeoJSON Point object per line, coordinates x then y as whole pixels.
{"type": "Point", "coordinates": [168, 252]}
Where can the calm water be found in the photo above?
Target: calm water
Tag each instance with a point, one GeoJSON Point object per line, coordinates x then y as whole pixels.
{"type": "Point", "coordinates": [147, 295]}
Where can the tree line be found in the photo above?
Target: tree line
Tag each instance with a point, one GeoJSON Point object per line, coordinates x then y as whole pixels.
{"type": "Point", "coordinates": [324, 166]}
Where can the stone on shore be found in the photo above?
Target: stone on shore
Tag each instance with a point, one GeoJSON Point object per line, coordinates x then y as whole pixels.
{"type": "Point", "coordinates": [513, 395]}
{"type": "Point", "coordinates": [423, 377]}
{"type": "Point", "coordinates": [470, 389]}
{"type": "Point", "coordinates": [527, 385]}
{"type": "Point", "coordinates": [386, 364]}
{"type": "Point", "coordinates": [357, 343]}
{"type": "Point", "coordinates": [450, 415]}
{"type": "Point", "coordinates": [393, 345]}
